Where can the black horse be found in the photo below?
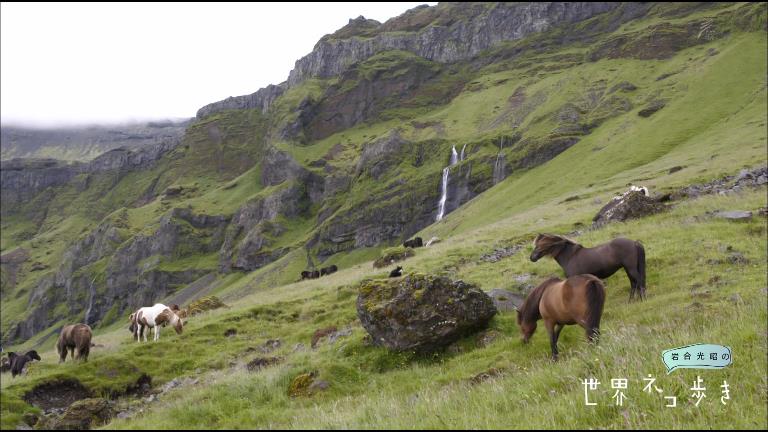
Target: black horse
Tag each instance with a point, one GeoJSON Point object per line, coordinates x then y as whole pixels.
{"type": "Point", "coordinates": [18, 362]}
{"type": "Point", "coordinates": [414, 243]}
{"type": "Point", "coordinates": [328, 270]}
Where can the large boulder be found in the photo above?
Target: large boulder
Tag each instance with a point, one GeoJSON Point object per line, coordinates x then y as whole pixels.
{"type": "Point", "coordinates": [421, 312]}
{"type": "Point", "coordinates": [634, 203]}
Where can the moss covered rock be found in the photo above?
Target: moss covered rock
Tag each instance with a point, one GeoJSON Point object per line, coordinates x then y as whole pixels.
{"type": "Point", "coordinates": [421, 312]}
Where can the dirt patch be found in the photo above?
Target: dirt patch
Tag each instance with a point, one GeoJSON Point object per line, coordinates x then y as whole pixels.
{"type": "Point", "coordinates": [262, 362]}
{"type": "Point", "coordinates": [55, 395]}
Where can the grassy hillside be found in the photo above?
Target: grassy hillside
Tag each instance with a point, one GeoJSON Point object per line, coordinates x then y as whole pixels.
{"type": "Point", "coordinates": [577, 130]}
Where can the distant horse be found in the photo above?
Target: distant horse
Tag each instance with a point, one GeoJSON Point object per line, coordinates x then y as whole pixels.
{"type": "Point", "coordinates": [328, 270]}
{"type": "Point", "coordinates": [576, 300]}
{"type": "Point", "coordinates": [601, 261]}
{"type": "Point", "coordinates": [306, 275]}
{"type": "Point", "coordinates": [74, 337]}
{"type": "Point", "coordinates": [155, 317]}
{"type": "Point", "coordinates": [396, 272]}
{"type": "Point", "coordinates": [416, 242]}
{"type": "Point", "coordinates": [19, 362]}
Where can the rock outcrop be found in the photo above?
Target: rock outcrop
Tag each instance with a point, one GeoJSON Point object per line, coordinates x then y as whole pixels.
{"type": "Point", "coordinates": [420, 312]}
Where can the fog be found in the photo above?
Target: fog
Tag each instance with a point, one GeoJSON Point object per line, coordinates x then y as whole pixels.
{"type": "Point", "coordinates": [80, 63]}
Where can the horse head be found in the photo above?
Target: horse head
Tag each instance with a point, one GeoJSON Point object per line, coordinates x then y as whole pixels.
{"type": "Point", "coordinates": [33, 355]}
{"type": "Point", "coordinates": [548, 244]}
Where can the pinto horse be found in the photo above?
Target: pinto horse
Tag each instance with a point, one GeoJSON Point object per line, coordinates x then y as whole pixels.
{"type": "Point", "coordinates": [601, 261]}
{"type": "Point", "coordinates": [154, 317]}
{"type": "Point", "coordinates": [576, 300]}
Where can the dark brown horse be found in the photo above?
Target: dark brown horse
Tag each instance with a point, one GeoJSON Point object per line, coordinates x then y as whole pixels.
{"type": "Point", "coordinates": [601, 261]}
{"type": "Point", "coordinates": [77, 339]}
{"type": "Point", "coordinates": [576, 300]}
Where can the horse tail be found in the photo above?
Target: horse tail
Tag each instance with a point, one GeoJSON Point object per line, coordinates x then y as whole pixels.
{"type": "Point", "coordinates": [641, 269]}
{"type": "Point", "coordinates": [595, 302]}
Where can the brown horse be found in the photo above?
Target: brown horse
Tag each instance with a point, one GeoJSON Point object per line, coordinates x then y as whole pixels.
{"type": "Point", "coordinates": [74, 337]}
{"type": "Point", "coordinates": [601, 261]}
{"type": "Point", "coordinates": [576, 300]}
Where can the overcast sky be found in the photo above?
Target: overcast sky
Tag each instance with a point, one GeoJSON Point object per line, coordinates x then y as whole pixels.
{"type": "Point", "coordinates": [66, 64]}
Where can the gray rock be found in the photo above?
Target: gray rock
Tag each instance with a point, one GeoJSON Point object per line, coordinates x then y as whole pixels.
{"type": "Point", "coordinates": [735, 215]}
{"type": "Point", "coordinates": [420, 312]}
{"type": "Point", "coordinates": [634, 203]}
{"type": "Point", "coordinates": [736, 299]}
{"type": "Point", "coordinates": [506, 301]}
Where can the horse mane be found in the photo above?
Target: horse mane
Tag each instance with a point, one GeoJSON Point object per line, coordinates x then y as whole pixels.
{"type": "Point", "coordinates": [529, 311]}
{"type": "Point", "coordinates": [550, 243]}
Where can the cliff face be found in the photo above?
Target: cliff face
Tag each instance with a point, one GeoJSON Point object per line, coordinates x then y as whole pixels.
{"type": "Point", "coordinates": [445, 33]}
{"type": "Point", "coordinates": [456, 33]}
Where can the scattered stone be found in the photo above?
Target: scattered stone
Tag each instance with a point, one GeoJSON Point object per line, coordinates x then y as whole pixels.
{"type": "Point", "coordinates": [37, 266]}
{"type": "Point", "coordinates": [319, 385]}
{"type": "Point", "coordinates": [736, 299]}
{"type": "Point", "coordinates": [487, 337]}
{"type": "Point", "coordinates": [321, 333]}
{"type": "Point", "coordinates": [299, 347]}
{"type": "Point", "coordinates": [597, 201]}
{"type": "Point", "coordinates": [726, 185]}
{"type": "Point", "coordinates": [651, 108]}
{"type": "Point", "coordinates": [486, 376]}
{"type": "Point", "coordinates": [736, 215]}
{"type": "Point", "coordinates": [262, 362]}
{"type": "Point", "coordinates": [178, 382]}
{"type": "Point", "coordinates": [270, 345]}
{"type": "Point", "coordinates": [433, 240]}
{"type": "Point", "coordinates": [674, 169]}
{"type": "Point", "coordinates": [230, 332]}
{"type": "Point", "coordinates": [505, 301]}
{"type": "Point", "coordinates": [499, 254]}
{"type": "Point", "coordinates": [737, 258]}
{"type": "Point", "coordinates": [765, 290]}
{"type": "Point", "coordinates": [421, 312]}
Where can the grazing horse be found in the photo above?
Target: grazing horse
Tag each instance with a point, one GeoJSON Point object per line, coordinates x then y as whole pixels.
{"type": "Point", "coordinates": [155, 317]}
{"type": "Point", "coordinates": [601, 261]}
{"type": "Point", "coordinates": [396, 272]}
{"type": "Point", "coordinates": [19, 362]}
{"type": "Point", "coordinates": [328, 270]}
{"type": "Point", "coordinates": [416, 242]}
{"type": "Point", "coordinates": [74, 337]}
{"type": "Point", "coordinates": [576, 300]}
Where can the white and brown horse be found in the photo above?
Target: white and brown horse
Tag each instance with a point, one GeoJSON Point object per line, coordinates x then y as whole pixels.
{"type": "Point", "coordinates": [154, 317]}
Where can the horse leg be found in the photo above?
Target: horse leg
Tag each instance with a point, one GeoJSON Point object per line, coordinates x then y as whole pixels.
{"type": "Point", "coordinates": [553, 335]}
{"type": "Point", "coordinates": [72, 353]}
{"type": "Point", "coordinates": [62, 355]}
{"type": "Point", "coordinates": [633, 278]}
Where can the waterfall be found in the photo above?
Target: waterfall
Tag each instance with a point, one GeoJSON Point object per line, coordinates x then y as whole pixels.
{"type": "Point", "coordinates": [90, 303]}
{"type": "Point", "coordinates": [444, 184]}
{"type": "Point", "coordinates": [461, 157]}
{"type": "Point", "coordinates": [498, 167]}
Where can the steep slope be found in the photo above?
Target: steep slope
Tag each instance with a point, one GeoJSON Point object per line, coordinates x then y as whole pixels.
{"type": "Point", "coordinates": [84, 143]}
{"type": "Point", "coordinates": [332, 167]}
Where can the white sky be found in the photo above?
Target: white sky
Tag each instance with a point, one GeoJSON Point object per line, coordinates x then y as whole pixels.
{"type": "Point", "coordinates": [79, 63]}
